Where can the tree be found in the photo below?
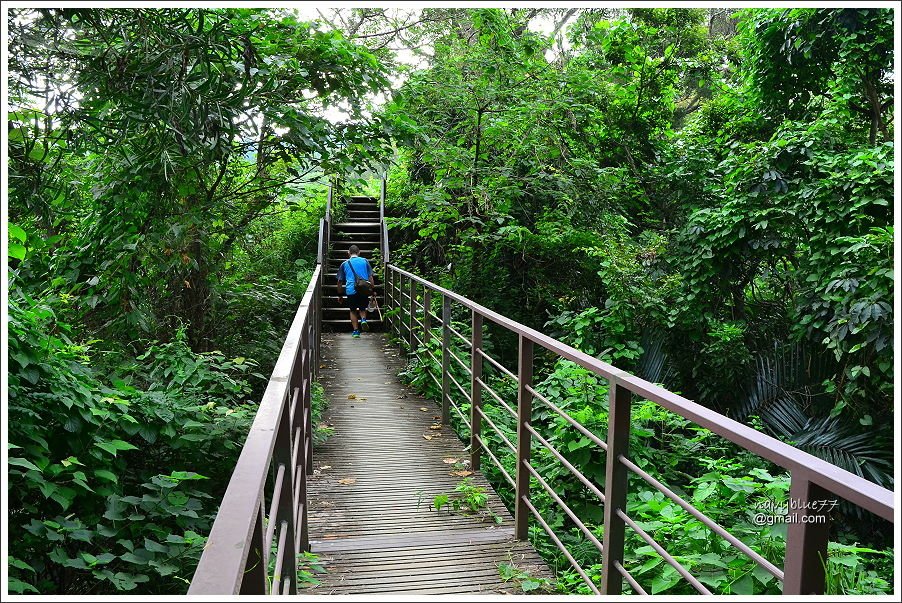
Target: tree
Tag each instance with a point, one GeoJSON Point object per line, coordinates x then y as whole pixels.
{"type": "Point", "coordinates": [189, 123]}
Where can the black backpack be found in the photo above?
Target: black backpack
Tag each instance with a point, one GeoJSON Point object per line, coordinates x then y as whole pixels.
{"type": "Point", "coordinates": [361, 285]}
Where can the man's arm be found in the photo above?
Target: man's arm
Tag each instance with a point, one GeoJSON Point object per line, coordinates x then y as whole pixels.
{"type": "Point", "coordinates": [341, 282]}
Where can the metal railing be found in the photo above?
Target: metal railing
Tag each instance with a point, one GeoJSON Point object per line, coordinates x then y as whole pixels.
{"type": "Point", "coordinates": [253, 519]}
{"type": "Point", "coordinates": [812, 479]}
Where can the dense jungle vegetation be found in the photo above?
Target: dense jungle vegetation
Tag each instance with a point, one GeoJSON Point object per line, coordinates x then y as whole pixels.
{"type": "Point", "coordinates": [700, 196]}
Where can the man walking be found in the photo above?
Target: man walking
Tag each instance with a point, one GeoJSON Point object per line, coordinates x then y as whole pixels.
{"type": "Point", "coordinates": [353, 275]}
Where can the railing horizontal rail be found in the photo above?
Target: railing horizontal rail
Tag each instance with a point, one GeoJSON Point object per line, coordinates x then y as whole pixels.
{"type": "Point", "coordinates": [663, 553]}
{"type": "Point", "coordinates": [494, 427]}
{"type": "Point", "coordinates": [226, 565]}
{"type": "Point", "coordinates": [836, 480]}
{"type": "Point", "coordinates": [556, 498]}
{"type": "Point", "coordinates": [459, 335]}
{"type": "Point", "coordinates": [811, 479]}
{"type": "Point", "coordinates": [497, 365]}
{"type": "Point", "coordinates": [715, 527]}
{"type": "Point", "coordinates": [497, 398]}
{"type": "Point", "coordinates": [576, 424]}
{"type": "Point", "coordinates": [561, 547]}
{"type": "Point", "coordinates": [560, 457]}
{"type": "Point", "coordinates": [495, 460]}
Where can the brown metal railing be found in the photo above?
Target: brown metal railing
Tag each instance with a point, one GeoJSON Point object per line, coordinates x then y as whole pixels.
{"type": "Point", "coordinates": [238, 557]}
{"type": "Point", "coordinates": [812, 479]}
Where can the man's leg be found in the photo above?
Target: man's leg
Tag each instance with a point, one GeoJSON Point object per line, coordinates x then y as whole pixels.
{"type": "Point", "coordinates": [354, 322]}
{"type": "Point", "coordinates": [363, 323]}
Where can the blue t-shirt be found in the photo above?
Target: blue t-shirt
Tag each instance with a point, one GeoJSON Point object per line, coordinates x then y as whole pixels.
{"type": "Point", "coordinates": [361, 266]}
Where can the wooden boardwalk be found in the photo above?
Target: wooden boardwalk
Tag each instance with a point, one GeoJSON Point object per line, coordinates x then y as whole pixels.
{"type": "Point", "coordinates": [371, 520]}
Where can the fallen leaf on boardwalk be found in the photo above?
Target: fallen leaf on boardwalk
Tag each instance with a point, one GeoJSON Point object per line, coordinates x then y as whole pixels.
{"type": "Point", "coordinates": [324, 467]}
{"type": "Point", "coordinates": [427, 437]}
{"type": "Point", "coordinates": [424, 409]}
{"type": "Point", "coordinates": [347, 481]}
{"type": "Point", "coordinates": [436, 418]}
{"type": "Point", "coordinates": [352, 396]}
{"type": "Point", "coordinates": [450, 461]}
{"type": "Point", "coordinates": [461, 473]}
{"type": "Point", "coordinates": [322, 366]}
{"type": "Point", "coordinates": [435, 427]}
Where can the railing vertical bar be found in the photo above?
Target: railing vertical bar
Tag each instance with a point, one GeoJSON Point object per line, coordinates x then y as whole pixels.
{"type": "Point", "coordinates": [412, 316]}
{"type": "Point", "coordinates": [524, 438]}
{"type": "Point", "coordinates": [806, 537]}
{"type": "Point", "coordinates": [475, 391]}
{"type": "Point", "coordinates": [302, 539]}
{"type": "Point", "coordinates": [619, 402]}
{"type": "Point", "coordinates": [282, 456]}
{"type": "Point", "coordinates": [273, 509]}
{"type": "Point", "coordinates": [446, 360]}
{"type": "Point", "coordinates": [255, 581]}
{"type": "Point", "coordinates": [389, 297]}
{"type": "Point", "coordinates": [306, 415]}
{"type": "Point", "coordinates": [427, 318]}
{"type": "Point", "coordinates": [281, 553]}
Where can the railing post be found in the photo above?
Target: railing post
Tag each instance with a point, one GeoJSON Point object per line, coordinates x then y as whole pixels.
{"type": "Point", "coordinates": [329, 202]}
{"type": "Point", "coordinates": [413, 310]}
{"type": "Point", "coordinates": [475, 390]}
{"type": "Point", "coordinates": [806, 537]}
{"type": "Point", "coordinates": [285, 512]}
{"type": "Point", "coordinates": [446, 360]}
{"type": "Point", "coordinates": [255, 579]}
{"type": "Point", "coordinates": [399, 319]}
{"type": "Point", "coordinates": [524, 438]}
{"type": "Point", "coordinates": [388, 298]}
{"type": "Point", "coordinates": [317, 327]}
{"type": "Point", "coordinates": [305, 449]}
{"type": "Point", "coordinates": [619, 403]}
{"type": "Point", "coordinates": [306, 399]}
{"type": "Point", "coordinates": [427, 318]}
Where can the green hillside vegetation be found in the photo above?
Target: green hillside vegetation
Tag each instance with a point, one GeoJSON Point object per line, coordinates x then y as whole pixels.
{"type": "Point", "coordinates": [701, 197]}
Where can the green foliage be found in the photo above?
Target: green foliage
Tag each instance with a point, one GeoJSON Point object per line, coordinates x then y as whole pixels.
{"type": "Point", "coordinates": [86, 443]}
{"type": "Point", "coordinates": [527, 583]}
{"type": "Point", "coordinates": [309, 565]}
{"type": "Point", "coordinates": [467, 499]}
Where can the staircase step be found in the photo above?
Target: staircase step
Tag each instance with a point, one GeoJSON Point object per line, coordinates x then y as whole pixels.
{"type": "Point", "coordinates": [362, 244]}
{"type": "Point", "coordinates": [342, 254]}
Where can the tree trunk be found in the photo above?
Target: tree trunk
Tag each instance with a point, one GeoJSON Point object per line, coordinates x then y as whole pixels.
{"type": "Point", "coordinates": [474, 179]}
{"type": "Point", "coordinates": [196, 296]}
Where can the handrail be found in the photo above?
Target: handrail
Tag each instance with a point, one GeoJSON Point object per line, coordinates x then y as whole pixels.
{"type": "Point", "coordinates": [332, 183]}
{"type": "Point", "coordinates": [235, 558]}
{"type": "Point", "coordinates": [811, 479]}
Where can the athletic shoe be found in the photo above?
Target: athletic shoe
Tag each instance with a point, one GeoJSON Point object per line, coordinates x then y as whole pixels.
{"type": "Point", "coordinates": [355, 333]}
{"type": "Point", "coordinates": [364, 324]}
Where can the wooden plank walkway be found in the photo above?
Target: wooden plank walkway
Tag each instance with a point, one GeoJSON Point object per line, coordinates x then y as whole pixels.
{"type": "Point", "coordinates": [371, 521]}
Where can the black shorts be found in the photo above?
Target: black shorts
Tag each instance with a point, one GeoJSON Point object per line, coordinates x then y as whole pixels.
{"type": "Point", "coordinates": [358, 301]}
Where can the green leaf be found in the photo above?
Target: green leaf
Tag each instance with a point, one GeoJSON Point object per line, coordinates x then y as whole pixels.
{"type": "Point", "coordinates": [743, 586]}
{"type": "Point", "coordinates": [155, 547]}
{"type": "Point", "coordinates": [19, 564]}
{"type": "Point", "coordinates": [19, 587]}
{"type": "Point", "coordinates": [20, 462]}
{"type": "Point", "coordinates": [107, 475]}
{"type": "Point", "coordinates": [666, 580]}
{"type": "Point", "coordinates": [16, 251]}
{"type": "Point", "coordinates": [16, 232]}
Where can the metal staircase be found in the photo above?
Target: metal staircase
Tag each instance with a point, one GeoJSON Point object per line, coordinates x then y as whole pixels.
{"type": "Point", "coordinates": [363, 226]}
